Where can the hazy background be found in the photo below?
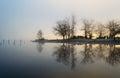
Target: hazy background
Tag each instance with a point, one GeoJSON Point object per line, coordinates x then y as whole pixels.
{"type": "Point", "coordinates": [21, 19]}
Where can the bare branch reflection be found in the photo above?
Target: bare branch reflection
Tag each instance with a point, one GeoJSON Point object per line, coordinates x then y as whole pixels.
{"type": "Point", "coordinates": [65, 54]}
{"type": "Point", "coordinates": [92, 53]}
{"type": "Point", "coordinates": [40, 46]}
{"type": "Point", "coordinates": [87, 54]}
{"type": "Point", "coordinates": [114, 55]}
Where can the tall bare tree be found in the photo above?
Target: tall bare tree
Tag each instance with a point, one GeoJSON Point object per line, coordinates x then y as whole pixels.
{"type": "Point", "coordinates": [68, 32]}
{"type": "Point", "coordinates": [88, 28]}
{"type": "Point", "coordinates": [73, 21]}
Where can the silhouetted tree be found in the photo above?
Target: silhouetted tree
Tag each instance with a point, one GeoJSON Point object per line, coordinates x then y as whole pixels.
{"type": "Point", "coordinates": [66, 28]}
{"type": "Point", "coordinates": [73, 26]}
{"type": "Point", "coordinates": [40, 34]}
{"type": "Point", "coordinates": [68, 32]}
{"type": "Point", "coordinates": [62, 28]}
{"type": "Point", "coordinates": [88, 28]}
{"type": "Point", "coordinates": [90, 32]}
{"type": "Point", "coordinates": [114, 28]}
{"type": "Point", "coordinates": [100, 31]}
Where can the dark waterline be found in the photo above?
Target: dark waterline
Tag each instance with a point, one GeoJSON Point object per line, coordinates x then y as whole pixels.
{"type": "Point", "coordinates": [19, 59]}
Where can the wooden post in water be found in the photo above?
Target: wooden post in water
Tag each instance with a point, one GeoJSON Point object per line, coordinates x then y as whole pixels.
{"type": "Point", "coordinates": [14, 42]}
{"type": "Point", "coordinates": [8, 42]}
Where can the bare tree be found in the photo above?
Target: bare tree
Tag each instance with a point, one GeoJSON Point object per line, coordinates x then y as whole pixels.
{"type": "Point", "coordinates": [101, 30]}
{"type": "Point", "coordinates": [73, 26]}
{"type": "Point", "coordinates": [66, 28]}
{"type": "Point", "coordinates": [61, 28]}
{"type": "Point", "coordinates": [88, 28]}
{"type": "Point", "coordinates": [40, 34]}
{"type": "Point", "coordinates": [90, 32]}
{"type": "Point", "coordinates": [114, 28]}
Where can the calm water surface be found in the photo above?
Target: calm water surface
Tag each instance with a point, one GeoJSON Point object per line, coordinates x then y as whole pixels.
{"type": "Point", "coordinates": [24, 59]}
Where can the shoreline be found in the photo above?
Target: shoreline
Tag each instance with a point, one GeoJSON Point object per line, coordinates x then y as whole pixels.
{"type": "Point", "coordinates": [84, 41]}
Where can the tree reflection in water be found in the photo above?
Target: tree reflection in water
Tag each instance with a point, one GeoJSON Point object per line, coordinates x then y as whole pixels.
{"type": "Point", "coordinates": [40, 46]}
{"type": "Point", "coordinates": [87, 54]}
{"type": "Point", "coordinates": [114, 55]}
{"type": "Point", "coordinates": [67, 54]}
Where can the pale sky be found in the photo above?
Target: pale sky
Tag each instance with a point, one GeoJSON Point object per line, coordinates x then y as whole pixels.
{"type": "Point", "coordinates": [21, 19]}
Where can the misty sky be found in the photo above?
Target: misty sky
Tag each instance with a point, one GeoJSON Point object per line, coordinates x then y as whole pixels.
{"type": "Point", "coordinates": [21, 19]}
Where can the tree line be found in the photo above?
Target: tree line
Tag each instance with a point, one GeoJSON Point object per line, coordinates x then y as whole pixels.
{"type": "Point", "coordinates": [66, 29]}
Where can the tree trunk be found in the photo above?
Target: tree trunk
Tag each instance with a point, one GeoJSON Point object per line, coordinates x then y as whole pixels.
{"type": "Point", "coordinates": [63, 37]}
{"type": "Point", "coordinates": [85, 35]}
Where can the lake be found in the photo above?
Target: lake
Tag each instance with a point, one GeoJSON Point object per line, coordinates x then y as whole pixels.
{"type": "Point", "coordinates": [25, 59]}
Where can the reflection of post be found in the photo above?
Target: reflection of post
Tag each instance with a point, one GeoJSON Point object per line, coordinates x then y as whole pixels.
{"type": "Point", "coordinates": [0, 43]}
{"type": "Point", "coordinates": [20, 43]}
{"type": "Point", "coordinates": [14, 42]}
{"type": "Point", "coordinates": [8, 42]}
{"type": "Point", "coordinates": [24, 42]}
{"type": "Point", "coordinates": [3, 42]}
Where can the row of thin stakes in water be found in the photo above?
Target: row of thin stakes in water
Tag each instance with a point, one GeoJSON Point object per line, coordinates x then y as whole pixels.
{"type": "Point", "coordinates": [11, 42]}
